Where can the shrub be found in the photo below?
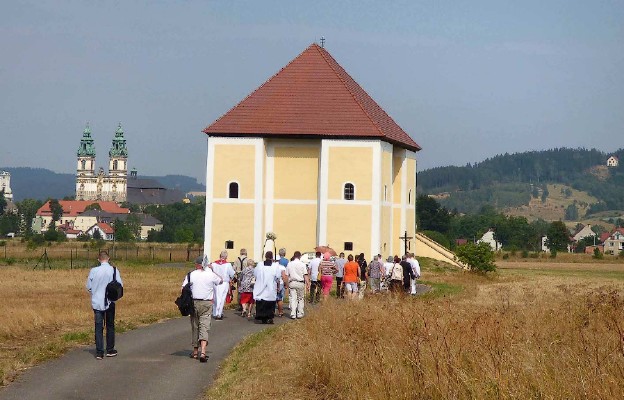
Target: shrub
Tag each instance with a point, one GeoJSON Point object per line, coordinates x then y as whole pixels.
{"type": "Point", "coordinates": [438, 237]}
{"type": "Point", "coordinates": [479, 257]}
{"type": "Point", "coordinates": [621, 254]}
{"type": "Point", "coordinates": [525, 254]}
{"type": "Point", "coordinates": [598, 254]}
{"type": "Point", "coordinates": [506, 256]}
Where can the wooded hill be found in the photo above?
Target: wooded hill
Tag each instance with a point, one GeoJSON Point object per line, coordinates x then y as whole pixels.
{"type": "Point", "coordinates": [512, 180]}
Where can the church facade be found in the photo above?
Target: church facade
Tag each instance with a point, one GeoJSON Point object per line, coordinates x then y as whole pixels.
{"type": "Point", "coordinates": [312, 158]}
{"type": "Point", "coordinates": [111, 186]}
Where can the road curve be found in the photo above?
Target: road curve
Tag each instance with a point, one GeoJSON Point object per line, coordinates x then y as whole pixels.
{"type": "Point", "coordinates": [153, 363]}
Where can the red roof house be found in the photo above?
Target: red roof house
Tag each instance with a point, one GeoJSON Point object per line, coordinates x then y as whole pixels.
{"type": "Point", "coordinates": [311, 97]}
{"type": "Point", "coordinates": [73, 208]}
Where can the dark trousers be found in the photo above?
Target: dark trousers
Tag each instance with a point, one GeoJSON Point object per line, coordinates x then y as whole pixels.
{"type": "Point", "coordinates": [339, 288]}
{"type": "Point", "coordinates": [101, 318]}
{"type": "Point", "coordinates": [315, 291]}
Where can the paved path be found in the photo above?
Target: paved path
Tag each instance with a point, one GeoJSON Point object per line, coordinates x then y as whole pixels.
{"type": "Point", "coordinates": [153, 363]}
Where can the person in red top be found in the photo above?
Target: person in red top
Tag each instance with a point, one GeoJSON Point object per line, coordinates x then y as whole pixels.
{"type": "Point", "coordinates": [328, 269]}
{"type": "Point", "coordinates": [351, 277]}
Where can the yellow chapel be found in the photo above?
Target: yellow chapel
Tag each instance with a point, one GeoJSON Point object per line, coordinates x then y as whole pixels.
{"type": "Point", "coordinates": [311, 157]}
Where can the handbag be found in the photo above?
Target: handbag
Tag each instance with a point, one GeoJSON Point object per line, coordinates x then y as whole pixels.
{"type": "Point", "coordinates": [114, 289]}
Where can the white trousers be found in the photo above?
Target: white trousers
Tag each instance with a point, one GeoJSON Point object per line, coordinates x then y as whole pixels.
{"type": "Point", "coordinates": [297, 299]}
{"type": "Point", "coordinates": [219, 298]}
{"type": "Point", "coordinates": [413, 282]}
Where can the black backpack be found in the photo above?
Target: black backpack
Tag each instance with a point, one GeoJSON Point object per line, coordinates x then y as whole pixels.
{"type": "Point", "coordinates": [114, 290]}
{"type": "Point", "coordinates": [185, 300]}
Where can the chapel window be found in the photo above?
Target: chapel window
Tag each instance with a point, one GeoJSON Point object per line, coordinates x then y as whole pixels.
{"type": "Point", "coordinates": [115, 164]}
{"type": "Point", "coordinates": [233, 190]}
{"type": "Point", "coordinates": [83, 164]}
{"type": "Point", "coordinates": [349, 191]}
{"type": "Point", "coordinates": [348, 246]}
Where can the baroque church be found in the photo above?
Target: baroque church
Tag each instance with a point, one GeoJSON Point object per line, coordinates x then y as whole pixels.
{"type": "Point", "coordinates": [111, 186]}
{"type": "Point", "coordinates": [310, 157]}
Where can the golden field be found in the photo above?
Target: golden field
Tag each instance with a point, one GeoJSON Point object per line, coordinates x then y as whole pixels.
{"type": "Point", "coordinates": [531, 331]}
{"type": "Point", "coordinates": [45, 312]}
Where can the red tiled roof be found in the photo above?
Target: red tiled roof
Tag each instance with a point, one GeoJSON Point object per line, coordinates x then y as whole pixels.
{"type": "Point", "coordinates": [106, 228]}
{"type": "Point", "coordinates": [604, 236]}
{"type": "Point", "coordinates": [312, 96]}
{"type": "Point", "coordinates": [72, 208]}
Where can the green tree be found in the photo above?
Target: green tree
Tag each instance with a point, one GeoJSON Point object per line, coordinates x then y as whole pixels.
{"type": "Point", "coordinates": [544, 193]}
{"type": "Point", "coordinates": [478, 257]}
{"type": "Point", "coordinates": [56, 209]}
{"type": "Point", "coordinates": [96, 235]}
{"type": "Point", "coordinates": [571, 212]}
{"type": "Point", "coordinates": [438, 237]}
{"type": "Point", "coordinates": [27, 210]}
{"type": "Point", "coordinates": [558, 237]}
{"type": "Point", "coordinates": [93, 206]}
{"type": "Point", "coordinates": [122, 232]}
{"type": "Point", "coordinates": [3, 202]}
{"type": "Point", "coordinates": [431, 215]}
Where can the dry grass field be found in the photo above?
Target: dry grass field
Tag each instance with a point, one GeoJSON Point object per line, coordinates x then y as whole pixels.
{"type": "Point", "coordinates": [532, 331]}
{"type": "Point", "coordinates": [43, 313]}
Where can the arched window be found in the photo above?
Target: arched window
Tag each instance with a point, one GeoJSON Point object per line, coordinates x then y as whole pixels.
{"type": "Point", "coordinates": [83, 164]}
{"type": "Point", "coordinates": [115, 164]}
{"type": "Point", "coordinates": [233, 190]}
{"type": "Point", "coordinates": [349, 191]}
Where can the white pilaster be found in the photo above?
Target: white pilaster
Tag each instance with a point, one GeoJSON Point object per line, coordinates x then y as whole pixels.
{"type": "Point", "coordinates": [258, 196]}
{"type": "Point", "coordinates": [323, 194]}
{"type": "Point", "coordinates": [209, 198]}
{"type": "Point", "coordinates": [403, 201]}
{"type": "Point", "coordinates": [269, 187]}
{"type": "Point", "coordinates": [377, 198]}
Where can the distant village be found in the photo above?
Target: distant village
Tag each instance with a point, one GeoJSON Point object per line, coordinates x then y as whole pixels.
{"type": "Point", "coordinates": [103, 200]}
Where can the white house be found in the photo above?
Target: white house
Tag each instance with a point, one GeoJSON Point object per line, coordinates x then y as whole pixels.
{"type": "Point", "coordinates": [488, 237]}
{"type": "Point", "coordinates": [583, 232]}
{"type": "Point", "coordinates": [613, 161]}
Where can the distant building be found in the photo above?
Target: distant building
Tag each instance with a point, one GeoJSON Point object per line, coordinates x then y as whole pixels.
{"type": "Point", "coordinates": [143, 191]}
{"type": "Point", "coordinates": [71, 210]}
{"type": "Point", "coordinates": [107, 187]}
{"type": "Point", "coordinates": [105, 231]}
{"type": "Point", "coordinates": [583, 232]}
{"type": "Point", "coordinates": [5, 184]}
{"type": "Point", "coordinates": [613, 161]}
{"type": "Point", "coordinates": [488, 237]}
{"type": "Point", "coordinates": [87, 219]}
{"type": "Point", "coordinates": [614, 244]}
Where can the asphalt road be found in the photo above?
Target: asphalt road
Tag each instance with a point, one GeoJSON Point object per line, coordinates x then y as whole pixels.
{"type": "Point", "coordinates": [153, 363]}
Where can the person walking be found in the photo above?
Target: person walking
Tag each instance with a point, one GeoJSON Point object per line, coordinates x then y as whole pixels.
{"type": "Point", "coordinates": [203, 284]}
{"type": "Point", "coordinates": [224, 269]}
{"type": "Point", "coordinates": [315, 284]}
{"type": "Point", "coordinates": [327, 270]}
{"type": "Point", "coordinates": [246, 285]}
{"type": "Point", "coordinates": [198, 266]}
{"type": "Point", "coordinates": [415, 271]}
{"type": "Point", "coordinates": [340, 263]}
{"type": "Point", "coordinates": [375, 272]}
{"type": "Point", "coordinates": [407, 273]}
{"type": "Point", "coordinates": [267, 276]}
{"type": "Point", "coordinates": [281, 291]}
{"type": "Point", "coordinates": [298, 281]}
{"type": "Point", "coordinates": [103, 309]}
{"type": "Point", "coordinates": [351, 277]}
{"type": "Point", "coordinates": [396, 276]}
{"type": "Point", "coordinates": [363, 268]}
{"type": "Point", "coordinates": [388, 271]}
{"type": "Point", "coordinates": [239, 264]}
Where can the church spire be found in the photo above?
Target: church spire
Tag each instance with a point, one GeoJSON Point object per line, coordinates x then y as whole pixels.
{"type": "Point", "coordinates": [118, 149]}
{"type": "Point", "coordinates": [87, 148]}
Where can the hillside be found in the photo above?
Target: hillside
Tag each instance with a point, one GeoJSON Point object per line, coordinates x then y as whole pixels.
{"type": "Point", "coordinates": [41, 184]}
{"type": "Point", "coordinates": [536, 184]}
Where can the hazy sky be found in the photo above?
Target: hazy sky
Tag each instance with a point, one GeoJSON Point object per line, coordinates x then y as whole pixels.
{"type": "Point", "coordinates": [466, 79]}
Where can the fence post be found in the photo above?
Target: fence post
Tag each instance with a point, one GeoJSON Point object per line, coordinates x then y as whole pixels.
{"type": "Point", "coordinates": [71, 259]}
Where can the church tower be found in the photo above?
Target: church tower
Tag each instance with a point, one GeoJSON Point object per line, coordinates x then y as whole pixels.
{"type": "Point", "coordinates": [118, 167]}
{"type": "Point", "coordinates": [85, 170]}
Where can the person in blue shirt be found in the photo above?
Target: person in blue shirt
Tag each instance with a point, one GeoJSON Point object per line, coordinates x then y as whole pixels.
{"type": "Point", "coordinates": [283, 263]}
{"type": "Point", "coordinates": [103, 309]}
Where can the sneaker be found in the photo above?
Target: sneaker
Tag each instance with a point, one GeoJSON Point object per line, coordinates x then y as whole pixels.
{"type": "Point", "coordinates": [99, 356]}
{"type": "Point", "coordinates": [293, 317]}
{"type": "Point", "coordinates": [111, 353]}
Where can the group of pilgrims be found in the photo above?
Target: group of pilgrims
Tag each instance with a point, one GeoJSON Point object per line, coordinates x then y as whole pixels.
{"type": "Point", "coordinates": [260, 287]}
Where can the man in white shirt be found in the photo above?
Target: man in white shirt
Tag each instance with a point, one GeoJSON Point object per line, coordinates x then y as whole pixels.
{"type": "Point", "coordinates": [298, 281]}
{"type": "Point", "coordinates": [103, 309]}
{"type": "Point", "coordinates": [203, 283]}
{"type": "Point", "coordinates": [415, 270]}
{"type": "Point", "coordinates": [315, 286]}
{"type": "Point", "coordinates": [387, 271]}
{"type": "Point", "coordinates": [224, 269]}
